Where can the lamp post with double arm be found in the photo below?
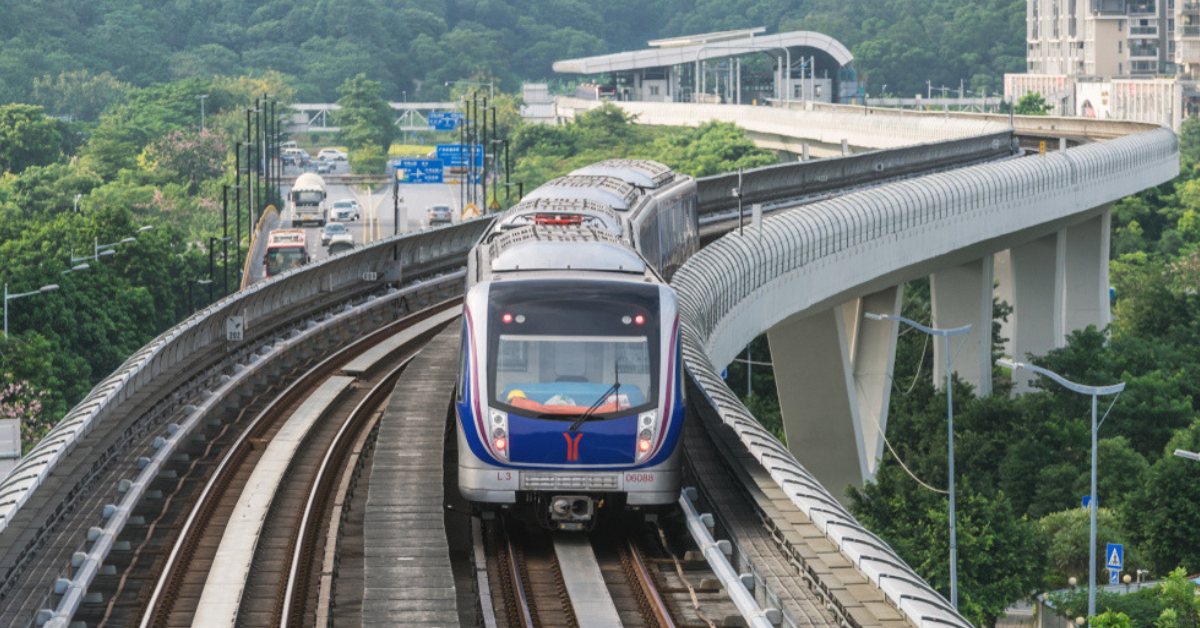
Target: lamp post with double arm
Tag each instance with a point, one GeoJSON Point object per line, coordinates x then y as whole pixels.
{"type": "Point", "coordinates": [1093, 392]}
{"type": "Point", "coordinates": [946, 334]}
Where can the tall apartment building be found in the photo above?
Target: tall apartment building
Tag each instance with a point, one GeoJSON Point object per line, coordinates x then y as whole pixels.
{"type": "Point", "coordinates": [1122, 59]}
{"type": "Point", "coordinates": [1106, 38]}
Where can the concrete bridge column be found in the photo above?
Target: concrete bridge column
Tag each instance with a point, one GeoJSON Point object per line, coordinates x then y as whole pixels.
{"type": "Point", "coordinates": [1085, 250]}
{"type": "Point", "coordinates": [1055, 284]}
{"type": "Point", "coordinates": [833, 374]}
{"type": "Point", "coordinates": [959, 296]}
{"type": "Point", "coordinates": [1029, 277]}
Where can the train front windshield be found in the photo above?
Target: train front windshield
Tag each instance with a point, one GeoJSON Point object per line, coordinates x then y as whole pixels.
{"type": "Point", "coordinates": [557, 349]}
{"type": "Point", "coordinates": [284, 258]}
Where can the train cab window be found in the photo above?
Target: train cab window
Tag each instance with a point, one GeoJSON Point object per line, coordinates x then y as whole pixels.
{"type": "Point", "coordinates": [558, 348]}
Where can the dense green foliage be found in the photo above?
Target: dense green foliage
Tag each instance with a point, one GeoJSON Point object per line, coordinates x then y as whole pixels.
{"type": "Point", "coordinates": [1170, 604]}
{"type": "Point", "coordinates": [544, 151]}
{"type": "Point", "coordinates": [75, 58]}
{"type": "Point", "coordinates": [146, 183]}
{"type": "Point", "coordinates": [145, 163]}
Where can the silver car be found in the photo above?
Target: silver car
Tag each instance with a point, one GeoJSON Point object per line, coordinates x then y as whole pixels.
{"type": "Point", "coordinates": [439, 214]}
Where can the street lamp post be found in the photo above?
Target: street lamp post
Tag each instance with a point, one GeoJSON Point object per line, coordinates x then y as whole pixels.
{"type": "Point", "coordinates": [946, 334]}
{"type": "Point", "coordinates": [1190, 455]}
{"type": "Point", "coordinates": [14, 296]}
{"type": "Point", "coordinates": [103, 250]}
{"type": "Point", "coordinates": [1094, 392]}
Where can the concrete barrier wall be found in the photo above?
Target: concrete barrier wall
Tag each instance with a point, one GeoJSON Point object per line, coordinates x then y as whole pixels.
{"type": "Point", "coordinates": [875, 129]}
{"type": "Point", "coordinates": [810, 178]}
{"type": "Point", "coordinates": [1052, 126]}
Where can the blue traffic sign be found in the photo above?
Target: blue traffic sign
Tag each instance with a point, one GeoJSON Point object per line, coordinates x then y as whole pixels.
{"type": "Point", "coordinates": [455, 155]}
{"type": "Point", "coordinates": [1114, 576]}
{"type": "Point", "coordinates": [418, 171]}
{"type": "Point", "coordinates": [445, 120]}
{"type": "Point", "coordinates": [1114, 556]}
{"type": "Point", "coordinates": [724, 373]}
{"type": "Point", "coordinates": [1087, 501]}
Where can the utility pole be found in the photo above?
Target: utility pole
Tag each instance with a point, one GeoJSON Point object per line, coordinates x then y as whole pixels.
{"type": "Point", "coordinates": [484, 170]}
{"type": "Point", "coordinates": [237, 196]}
{"type": "Point", "coordinates": [495, 163]}
{"type": "Point", "coordinates": [225, 239]}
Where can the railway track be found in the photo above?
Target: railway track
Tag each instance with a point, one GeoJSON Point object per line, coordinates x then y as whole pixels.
{"type": "Point", "coordinates": [296, 526]}
{"type": "Point", "coordinates": [631, 574]}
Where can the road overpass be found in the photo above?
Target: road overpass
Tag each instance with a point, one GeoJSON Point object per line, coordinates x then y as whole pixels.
{"type": "Point", "coordinates": [77, 510]}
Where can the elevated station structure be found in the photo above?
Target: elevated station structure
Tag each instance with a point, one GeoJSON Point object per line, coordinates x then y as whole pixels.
{"type": "Point", "coordinates": [732, 67]}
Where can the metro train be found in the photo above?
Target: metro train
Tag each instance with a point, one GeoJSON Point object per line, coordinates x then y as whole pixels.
{"type": "Point", "coordinates": [570, 398]}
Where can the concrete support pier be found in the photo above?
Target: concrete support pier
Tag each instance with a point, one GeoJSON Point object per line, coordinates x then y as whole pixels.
{"type": "Point", "coordinates": [833, 375]}
{"type": "Point", "coordinates": [962, 295]}
{"type": "Point", "coordinates": [1030, 283]}
{"type": "Point", "coordinates": [1085, 251]}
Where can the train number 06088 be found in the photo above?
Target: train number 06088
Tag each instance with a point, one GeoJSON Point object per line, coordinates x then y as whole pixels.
{"type": "Point", "coordinates": [639, 478]}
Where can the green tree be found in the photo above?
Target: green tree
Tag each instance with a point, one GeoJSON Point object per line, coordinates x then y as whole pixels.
{"type": "Point", "coordinates": [365, 117]}
{"type": "Point", "coordinates": [27, 138]}
{"type": "Point", "coordinates": [1066, 533]}
{"type": "Point", "coordinates": [1109, 619]}
{"type": "Point", "coordinates": [368, 159]}
{"type": "Point", "coordinates": [186, 155]}
{"type": "Point", "coordinates": [999, 551]}
{"type": "Point", "coordinates": [1032, 104]}
{"type": "Point", "coordinates": [78, 93]}
{"type": "Point", "coordinates": [1178, 596]}
{"type": "Point", "coordinates": [1160, 515]}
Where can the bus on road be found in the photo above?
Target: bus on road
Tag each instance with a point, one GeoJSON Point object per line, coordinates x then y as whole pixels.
{"type": "Point", "coordinates": [286, 249]}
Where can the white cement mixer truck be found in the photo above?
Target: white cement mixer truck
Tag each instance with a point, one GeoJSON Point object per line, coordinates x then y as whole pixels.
{"type": "Point", "coordinates": [307, 200]}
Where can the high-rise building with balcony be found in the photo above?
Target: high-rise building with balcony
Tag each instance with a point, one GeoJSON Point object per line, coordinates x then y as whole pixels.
{"type": "Point", "coordinates": [1102, 38]}
{"type": "Point", "coordinates": [1120, 59]}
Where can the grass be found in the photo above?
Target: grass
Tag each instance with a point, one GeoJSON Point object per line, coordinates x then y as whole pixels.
{"type": "Point", "coordinates": [408, 150]}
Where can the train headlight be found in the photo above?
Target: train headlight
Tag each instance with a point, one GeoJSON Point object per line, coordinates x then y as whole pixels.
{"type": "Point", "coordinates": [647, 429]}
{"type": "Point", "coordinates": [498, 428]}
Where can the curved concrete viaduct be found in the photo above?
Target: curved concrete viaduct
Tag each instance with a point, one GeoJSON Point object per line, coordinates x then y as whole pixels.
{"type": "Point", "coordinates": [1038, 225]}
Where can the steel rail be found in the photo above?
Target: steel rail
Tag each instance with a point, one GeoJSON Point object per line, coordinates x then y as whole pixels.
{"type": "Point", "coordinates": [649, 589]}
{"type": "Point", "coordinates": [516, 582]}
{"type": "Point", "coordinates": [169, 573]}
{"type": "Point", "coordinates": [358, 422]}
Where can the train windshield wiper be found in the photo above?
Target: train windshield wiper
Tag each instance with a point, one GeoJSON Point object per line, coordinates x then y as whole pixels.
{"type": "Point", "coordinates": [615, 390]}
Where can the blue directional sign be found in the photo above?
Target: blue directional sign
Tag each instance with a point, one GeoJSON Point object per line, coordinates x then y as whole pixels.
{"type": "Point", "coordinates": [724, 373]}
{"type": "Point", "coordinates": [1114, 576]}
{"type": "Point", "coordinates": [445, 120]}
{"type": "Point", "coordinates": [1114, 556]}
{"type": "Point", "coordinates": [1087, 501]}
{"type": "Point", "coordinates": [418, 171]}
{"type": "Point", "coordinates": [455, 155]}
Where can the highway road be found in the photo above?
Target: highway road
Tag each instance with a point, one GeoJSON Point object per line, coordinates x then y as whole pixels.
{"type": "Point", "coordinates": [378, 212]}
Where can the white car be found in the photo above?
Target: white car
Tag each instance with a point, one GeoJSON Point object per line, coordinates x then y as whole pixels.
{"type": "Point", "coordinates": [331, 154]}
{"type": "Point", "coordinates": [345, 210]}
{"type": "Point", "coordinates": [335, 232]}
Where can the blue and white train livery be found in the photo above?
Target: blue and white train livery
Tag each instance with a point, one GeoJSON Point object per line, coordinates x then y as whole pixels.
{"type": "Point", "coordinates": [570, 400]}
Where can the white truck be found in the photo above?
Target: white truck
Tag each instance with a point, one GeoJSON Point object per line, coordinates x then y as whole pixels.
{"type": "Point", "coordinates": [307, 200]}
